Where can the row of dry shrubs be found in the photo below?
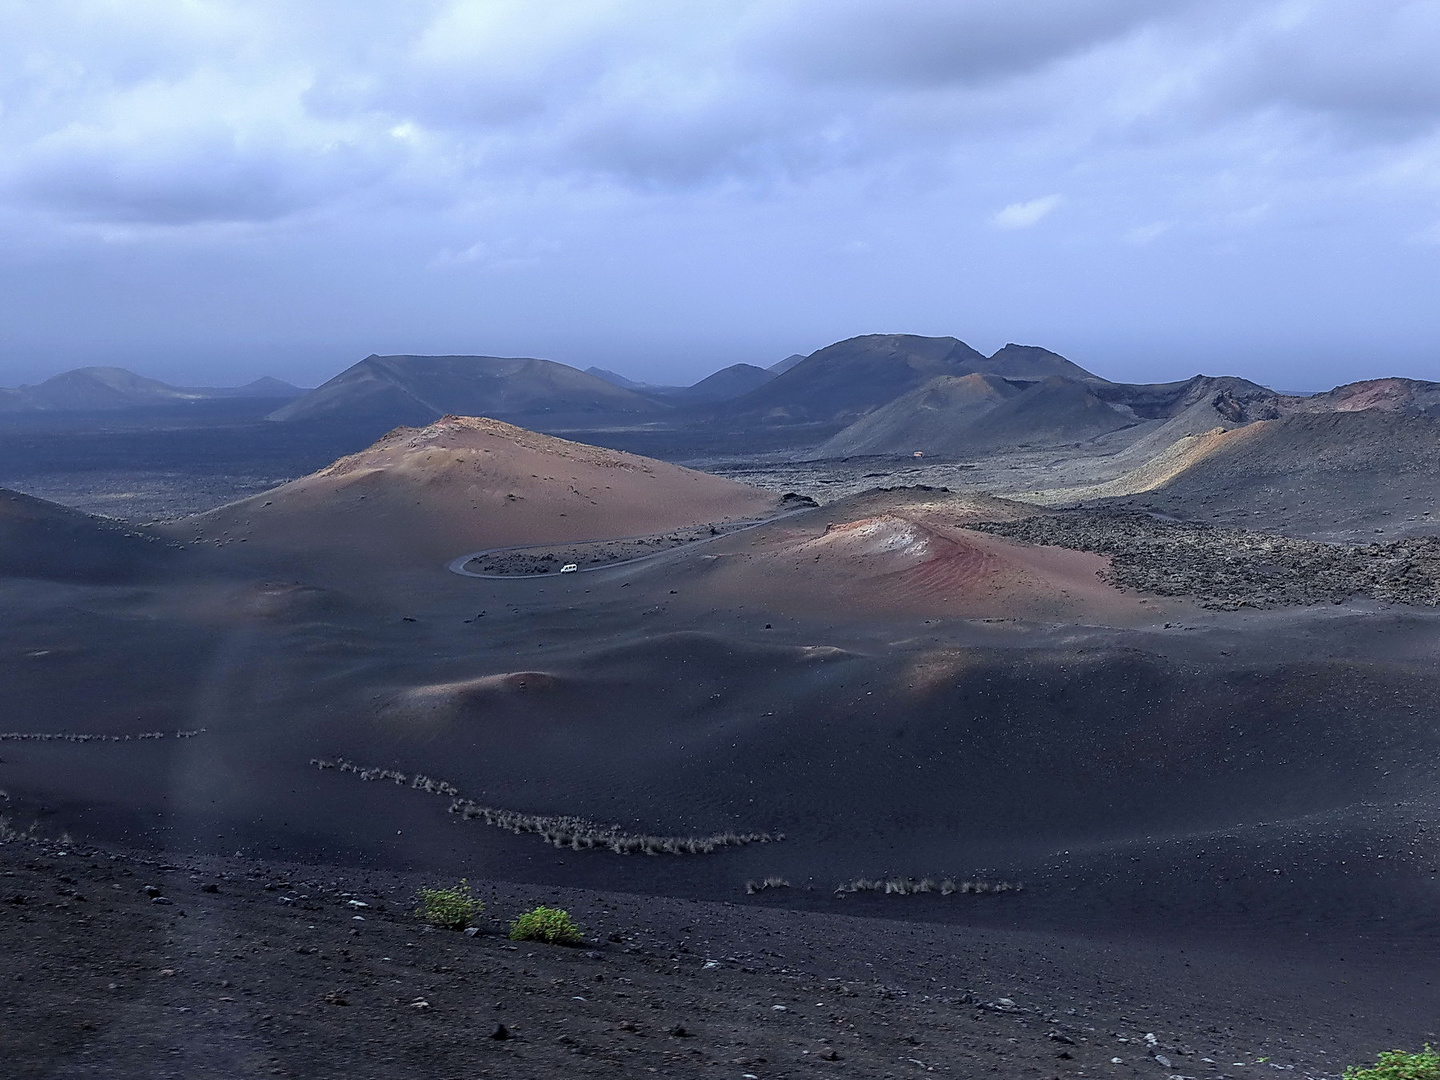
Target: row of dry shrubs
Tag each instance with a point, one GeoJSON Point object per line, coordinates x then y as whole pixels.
{"type": "Point", "coordinates": [419, 781]}
{"type": "Point", "coordinates": [752, 887]}
{"type": "Point", "coordinates": [574, 833]}
{"type": "Point", "coordinates": [45, 736]}
{"type": "Point", "coordinates": [912, 887]}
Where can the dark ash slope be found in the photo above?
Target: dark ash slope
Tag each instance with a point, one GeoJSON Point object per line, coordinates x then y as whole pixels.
{"type": "Point", "coordinates": [1343, 476]}
{"type": "Point", "coordinates": [928, 419]}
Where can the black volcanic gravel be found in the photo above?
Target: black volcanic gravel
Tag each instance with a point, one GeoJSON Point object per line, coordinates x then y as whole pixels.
{"type": "Point", "coordinates": [120, 964]}
{"type": "Point", "coordinates": [1228, 568]}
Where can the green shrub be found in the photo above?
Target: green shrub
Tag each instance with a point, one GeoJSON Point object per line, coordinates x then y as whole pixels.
{"type": "Point", "coordinates": [1398, 1065]}
{"type": "Point", "coordinates": [552, 925]}
{"type": "Point", "coordinates": [451, 908]}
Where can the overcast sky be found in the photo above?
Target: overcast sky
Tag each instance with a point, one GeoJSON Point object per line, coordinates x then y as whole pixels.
{"type": "Point", "coordinates": [209, 190]}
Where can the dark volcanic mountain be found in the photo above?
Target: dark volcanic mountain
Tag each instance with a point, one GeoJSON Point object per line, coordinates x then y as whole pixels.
{"type": "Point", "coordinates": [614, 378]}
{"type": "Point", "coordinates": [263, 387]}
{"type": "Point", "coordinates": [726, 384]}
{"type": "Point", "coordinates": [844, 381]}
{"type": "Point", "coordinates": [394, 390]}
{"type": "Point", "coordinates": [927, 419]}
{"type": "Point", "coordinates": [106, 389]}
{"type": "Point", "coordinates": [1032, 362]}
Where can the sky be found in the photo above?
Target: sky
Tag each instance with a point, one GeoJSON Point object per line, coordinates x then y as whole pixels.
{"type": "Point", "coordinates": [210, 190]}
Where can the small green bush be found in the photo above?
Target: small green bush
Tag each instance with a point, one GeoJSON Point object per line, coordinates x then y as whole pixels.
{"type": "Point", "coordinates": [1399, 1065]}
{"type": "Point", "coordinates": [552, 925]}
{"type": "Point", "coordinates": [451, 908]}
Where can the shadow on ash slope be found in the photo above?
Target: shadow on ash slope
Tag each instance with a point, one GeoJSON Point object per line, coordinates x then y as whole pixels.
{"type": "Point", "coordinates": [1228, 568]}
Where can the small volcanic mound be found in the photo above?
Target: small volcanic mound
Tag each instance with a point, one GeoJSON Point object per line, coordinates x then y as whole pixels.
{"type": "Point", "coordinates": [288, 599]}
{"type": "Point", "coordinates": [422, 496]}
{"type": "Point", "coordinates": [920, 560]}
{"type": "Point", "coordinates": [908, 560]}
{"type": "Point", "coordinates": [468, 698]}
{"type": "Point", "coordinates": [884, 534]}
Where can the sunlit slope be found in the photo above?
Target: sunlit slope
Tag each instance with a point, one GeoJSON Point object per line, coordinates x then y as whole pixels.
{"type": "Point", "coordinates": [421, 496]}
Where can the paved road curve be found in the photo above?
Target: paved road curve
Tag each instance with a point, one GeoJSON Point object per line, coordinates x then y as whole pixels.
{"type": "Point", "coordinates": [458, 565]}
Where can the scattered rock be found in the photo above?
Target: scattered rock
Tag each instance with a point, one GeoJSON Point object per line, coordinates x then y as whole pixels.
{"type": "Point", "coordinates": [1228, 568]}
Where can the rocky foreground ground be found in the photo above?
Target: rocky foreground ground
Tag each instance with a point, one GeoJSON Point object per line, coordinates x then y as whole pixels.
{"type": "Point", "coordinates": [1228, 568]}
{"type": "Point", "coordinates": [118, 964]}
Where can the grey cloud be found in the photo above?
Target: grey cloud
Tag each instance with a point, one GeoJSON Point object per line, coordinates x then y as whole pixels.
{"type": "Point", "coordinates": [1373, 67]}
{"type": "Point", "coordinates": [492, 65]}
{"type": "Point", "coordinates": [926, 43]}
{"type": "Point", "coordinates": [453, 101]}
{"type": "Point", "coordinates": [204, 177]}
{"type": "Point", "coordinates": [1319, 68]}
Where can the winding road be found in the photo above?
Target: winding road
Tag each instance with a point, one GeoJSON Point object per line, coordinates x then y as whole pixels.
{"type": "Point", "coordinates": [458, 565]}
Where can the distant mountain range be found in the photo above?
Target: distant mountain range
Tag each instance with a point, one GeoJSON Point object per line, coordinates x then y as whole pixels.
{"type": "Point", "coordinates": [877, 394]}
{"type": "Point", "coordinates": [107, 389]}
{"type": "Point", "coordinates": [835, 385]}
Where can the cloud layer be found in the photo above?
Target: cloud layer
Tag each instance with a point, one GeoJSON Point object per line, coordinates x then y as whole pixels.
{"type": "Point", "coordinates": [528, 139]}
